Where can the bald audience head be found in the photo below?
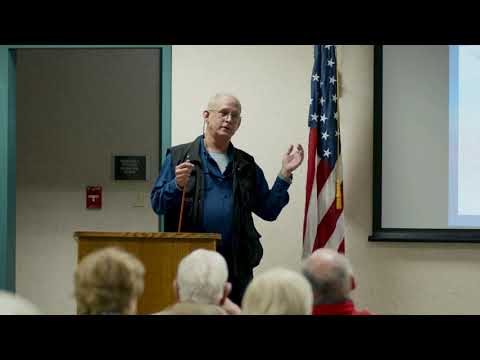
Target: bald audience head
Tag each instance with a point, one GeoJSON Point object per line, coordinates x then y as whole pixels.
{"type": "Point", "coordinates": [331, 276]}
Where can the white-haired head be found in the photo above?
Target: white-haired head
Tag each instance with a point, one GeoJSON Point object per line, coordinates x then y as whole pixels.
{"type": "Point", "coordinates": [14, 304]}
{"type": "Point", "coordinates": [278, 292]}
{"type": "Point", "coordinates": [202, 278]}
{"type": "Point", "coordinates": [330, 274]}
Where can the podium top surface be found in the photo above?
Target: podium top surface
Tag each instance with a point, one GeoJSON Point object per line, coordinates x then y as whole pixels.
{"type": "Point", "coordinates": [146, 235]}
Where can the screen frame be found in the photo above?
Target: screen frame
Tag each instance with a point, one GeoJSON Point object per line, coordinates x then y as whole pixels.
{"type": "Point", "coordinates": [379, 233]}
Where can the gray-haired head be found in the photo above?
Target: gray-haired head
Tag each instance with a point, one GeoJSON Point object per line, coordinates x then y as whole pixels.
{"type": "Point", "coordinates": [201, 277]}
{"type": "Point", "coordinates": [213, 102]}
{"type": "Point", "coordinates": [330, 274]}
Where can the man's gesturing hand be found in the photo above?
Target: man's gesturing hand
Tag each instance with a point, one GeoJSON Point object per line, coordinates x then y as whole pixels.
{"type": "Point", "coordinates": [291, 160]}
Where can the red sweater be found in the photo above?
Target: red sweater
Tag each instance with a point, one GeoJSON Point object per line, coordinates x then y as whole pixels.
{"type": "Point", "coordinates": [344, 308]}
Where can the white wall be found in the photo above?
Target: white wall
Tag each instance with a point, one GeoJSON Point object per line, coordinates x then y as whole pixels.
{"type": "Point", "coordinates": [74, 109]}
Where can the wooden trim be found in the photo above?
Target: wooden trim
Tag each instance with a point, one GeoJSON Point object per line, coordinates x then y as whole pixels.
{"type": "Point", "coordinates": [144, 235]}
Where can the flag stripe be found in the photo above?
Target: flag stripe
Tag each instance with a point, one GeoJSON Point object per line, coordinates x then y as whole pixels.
{"type": "Point", "coordinates": [311, 222]}
{"type": "Point", "coordinates": [326, 194]}
{"type": "Point", "coordinates": [312, 162]}
{"type": "Point", "coordinates": [327, 226]}
{"type": "Point", "coordinates": [323, 173]}
{"type": "Point", "coordinates": [338, 234]}
{"type": "Point", "coordinates": [321, 204]}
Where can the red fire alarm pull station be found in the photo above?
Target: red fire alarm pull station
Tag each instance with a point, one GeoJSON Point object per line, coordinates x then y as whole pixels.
{"type": "Point", "coordinates": [94, 197]}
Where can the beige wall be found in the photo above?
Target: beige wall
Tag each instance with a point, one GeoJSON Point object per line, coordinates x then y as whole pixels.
{"type": "Point", "coordinates": [273, 84]}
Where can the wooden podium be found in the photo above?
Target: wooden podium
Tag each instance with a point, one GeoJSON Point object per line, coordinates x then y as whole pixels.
{"type": "Point", "coordinates": [159, 252]}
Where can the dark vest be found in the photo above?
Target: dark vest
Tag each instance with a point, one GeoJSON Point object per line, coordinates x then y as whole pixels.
{"type": "Point", "coordinates": [247, 250]}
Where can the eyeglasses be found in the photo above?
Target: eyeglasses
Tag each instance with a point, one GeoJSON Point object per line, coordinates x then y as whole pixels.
{"type": "Point", "coordinates": [224, 114]}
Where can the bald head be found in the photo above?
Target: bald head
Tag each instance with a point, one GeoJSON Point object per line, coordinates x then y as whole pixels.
{"type": "Point", "coordinates": [215, 100]}
{"type": "Point", "coordinates": [330, 275]}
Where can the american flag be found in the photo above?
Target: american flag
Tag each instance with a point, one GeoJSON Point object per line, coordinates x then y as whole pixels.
{"type": "Point", "coordinates": [323, 224]}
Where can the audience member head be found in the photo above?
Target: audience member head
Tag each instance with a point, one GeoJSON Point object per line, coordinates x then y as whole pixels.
{"type": "Point", "coordinates": [202, 278]}
{"type": "Point", "coordinates": [108, 281]}
{"type": "Point", "coordinates": [331, 276]}
{"type": "Point", "coordinates": [278, 292]}
{"type": "Point", "coordinates": [14, 304]}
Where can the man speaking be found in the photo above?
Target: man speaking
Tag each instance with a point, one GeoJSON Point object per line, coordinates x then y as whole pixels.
{"type": "Point", "coordinates": [223, 186]}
